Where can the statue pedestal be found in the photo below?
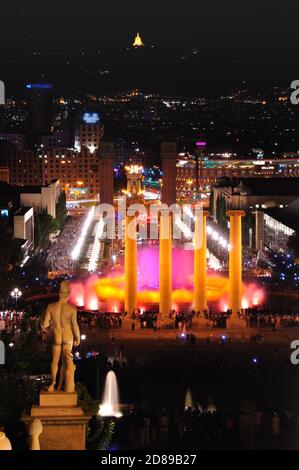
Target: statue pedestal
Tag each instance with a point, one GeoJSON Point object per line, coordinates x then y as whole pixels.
{"type": "Point", "coordinates": [64, 422]}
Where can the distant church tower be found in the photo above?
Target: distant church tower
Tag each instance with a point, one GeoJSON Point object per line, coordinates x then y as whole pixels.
{"type": "Point", "coordinates": [138, 41]}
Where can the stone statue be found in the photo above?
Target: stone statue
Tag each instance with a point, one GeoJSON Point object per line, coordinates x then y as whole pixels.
{"type": "Point", "coordinates": [4, 442]}
{"type": "Point", "coordinates": [62, 318]}
{"type": "Point", "coordinates": [35, 428]}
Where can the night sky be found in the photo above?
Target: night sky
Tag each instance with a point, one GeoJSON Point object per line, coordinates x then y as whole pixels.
{"type": "Point", "coordinates": [259, 36]}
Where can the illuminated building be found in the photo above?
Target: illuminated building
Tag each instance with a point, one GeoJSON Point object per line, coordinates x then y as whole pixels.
{"type": "Point", "coordinates": [4, 174]}
{"type": "Point", "coordinates": [40, 110]}
{"type": "Point", "coordinates": [60, 138]}
{"type": "Point", "coordinates": [24, 224]}
{"type": "Point", "coordinates": [208, 170]}
{"type": "Point", "coordinates": [138, 41]}
{"type": "Point", "coordinates": [18, 141]}
{"type": "Point", "coordinates": [89, 132]}
{"type": "Point", "coordinates": [275, 226]}
{"type": "Point", "coordinates": [20, 219]}
{"type": "Point", "coordinates": [77, 171]}
{"type": "Point", "coordinates": [41, 198]}
{"type": "Point", "coordinates": [134, 179]}
{"type": "Point", "coordinates": [24, 167]}
{"type": "Point", "coordinates": [199, 154]}
{"type": "Point", "coordinates": [20, 204]}
{"type": "Point", "coordinates": [256, 193]}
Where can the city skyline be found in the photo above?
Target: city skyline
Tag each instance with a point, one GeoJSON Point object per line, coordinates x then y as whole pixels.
{"type": "Point", "coordinates": [167, 22]}
{"type": "Point", "coordinates": [198, 49]}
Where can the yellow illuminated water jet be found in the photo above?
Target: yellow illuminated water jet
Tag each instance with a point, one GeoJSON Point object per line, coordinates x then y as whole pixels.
{"type": "Point", "coordinates": [113, 288]}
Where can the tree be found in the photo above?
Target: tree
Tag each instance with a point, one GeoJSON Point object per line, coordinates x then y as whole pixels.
{"type": "Point", "coordinates": [48, 225]}
{"type": "Point", "coordinates": [17, 391]}
{"type": "Point", "coordinates": [99, 433]}
{"type": "Point", "coordinates": [61, 211]}
{"type": "Point", "coordinates": [10, 255]}
{"type": "Point", "coordinates": [221, 211]}
{"type": "Point", "coordinates": [37, 231]}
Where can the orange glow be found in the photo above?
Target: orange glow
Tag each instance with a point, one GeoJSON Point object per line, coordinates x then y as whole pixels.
{"type": "Point", "coordinates": [113, 288]}
{"type": "Point", "coordinates": [107, 294]}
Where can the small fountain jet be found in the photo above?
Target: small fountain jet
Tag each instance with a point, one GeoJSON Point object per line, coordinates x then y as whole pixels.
{"type": "Point", "coordinates": [110, 406]}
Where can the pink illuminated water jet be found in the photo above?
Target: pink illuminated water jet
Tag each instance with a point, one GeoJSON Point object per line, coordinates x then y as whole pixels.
{"type": "Point", "coordinates": [107, 293]}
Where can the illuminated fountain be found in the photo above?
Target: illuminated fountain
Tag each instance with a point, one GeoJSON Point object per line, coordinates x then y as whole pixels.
{"type": "Point", "coordinates": [165, 277]}
{"type": "Point", "coordinates": [108, 293]}
{"type": "Point", "coordinates": [91, 299]}
{"type": "Point", "coordinates": [110, 406]}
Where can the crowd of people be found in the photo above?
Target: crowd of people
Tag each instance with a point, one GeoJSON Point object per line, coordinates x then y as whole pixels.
{"type": "Point", "coordinates": [59, 253]}
{"type": "Point", "coordinates": [264, 317]}
{"type": "Point", "coordinates": [195, 427]}
{"type": "Point", "coordinates": [184, 322]}
{"type": "Point", "coordinates": [270, 318]}
{"type": "Point", "coordinates": [10, 321]}
{"type": "Point", "coordinates": [267, 318]}
{"type": "Point", "coordinates": [105, 320]}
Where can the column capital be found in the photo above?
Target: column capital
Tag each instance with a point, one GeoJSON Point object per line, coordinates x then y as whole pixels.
{"type": "Point", "coordinates": [236, 213]}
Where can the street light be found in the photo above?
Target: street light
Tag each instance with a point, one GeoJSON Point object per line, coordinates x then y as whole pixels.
{"type": "Point", "coordinates": [83, 338]}
{"type": "Point", "coordinates": [16, 294]}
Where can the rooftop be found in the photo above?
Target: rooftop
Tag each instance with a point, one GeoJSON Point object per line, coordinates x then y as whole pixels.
{"type": "Point", "coordinates": [262, 186]}
{"type": "Point", "coordinates": [22, 210]}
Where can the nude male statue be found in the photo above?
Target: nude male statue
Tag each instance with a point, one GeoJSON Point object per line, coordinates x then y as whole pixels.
{"type": "Point", "coordinates": [62, 317]}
